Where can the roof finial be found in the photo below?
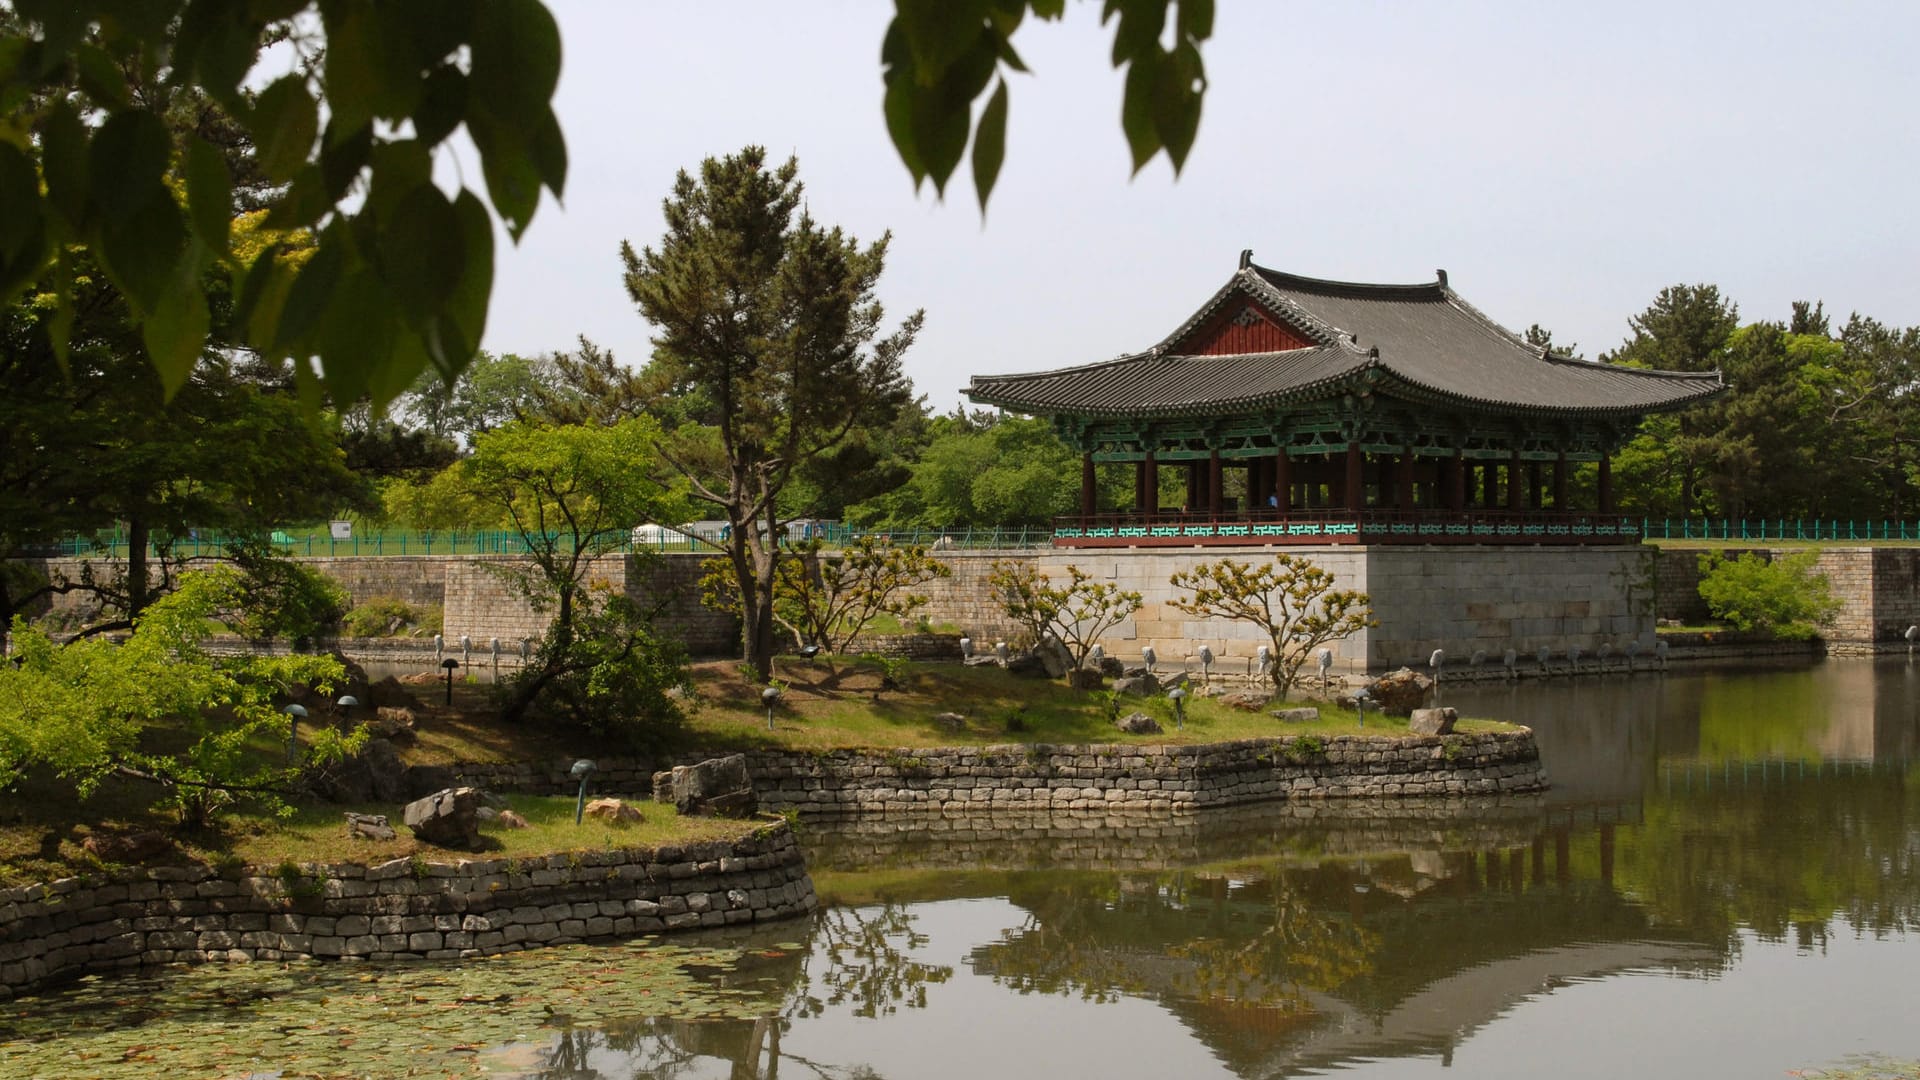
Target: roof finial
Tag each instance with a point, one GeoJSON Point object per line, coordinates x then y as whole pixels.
{"type": "Point", "coordinates": [1442, 275]}
{"type": "Point", "coordinates": [1246, 258]}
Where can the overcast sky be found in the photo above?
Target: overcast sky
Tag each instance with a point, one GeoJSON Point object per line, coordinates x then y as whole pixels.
{"type": "Point", "coordinates": [1563, 162]}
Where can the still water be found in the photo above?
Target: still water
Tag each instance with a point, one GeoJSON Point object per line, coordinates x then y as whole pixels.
{"type": "Point", "coordinates": [1724, 881]}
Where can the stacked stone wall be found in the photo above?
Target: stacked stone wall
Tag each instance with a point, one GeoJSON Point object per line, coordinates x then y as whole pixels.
{"type": "Point", "coordinates": [393, 910]}
{"type": "Point", "coordinates": [1878, 588]}
{"type": "Point", "coordinates": [1093, 777]}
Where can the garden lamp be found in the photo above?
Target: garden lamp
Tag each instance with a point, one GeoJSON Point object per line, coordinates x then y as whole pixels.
{"type": "Point", "coordinates": [1361, 699]}
{"type": "Point", "coordinates": [1206, 666]}
{"type": "Point", "coordinates": [966, 648]}
{"type": "Point", "coordinates": [295, 713]}
{"type": "Point", "coordinates": [1511, 658]}
{"type": "Point", "coordinates": [1438, 658]}
{"type": "Point", "coordinates": [1544, 655]}
{"type": "Point", "coordinates": [1263, 658]}
{"type": "Point", "coordinates": [1148, 658]}
{"type": "Point", "coordinates": [1912, 635]}
{"type": "Point", "coordinates": [347, 704]}
{"type": "Point", "coordinates": [449, 664]}
{"type": "Point", "coordinates": [1178, 695]}
{"type": "Point", "coordinates": [581, 771]}
{"type": "Point", "coordinates": [1324, 659]}
{"type": "Point", "coordinates": [770, 697]}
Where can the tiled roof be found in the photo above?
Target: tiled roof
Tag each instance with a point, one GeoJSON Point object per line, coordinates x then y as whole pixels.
{"type": "Point", "coordinates": [1424, 338]}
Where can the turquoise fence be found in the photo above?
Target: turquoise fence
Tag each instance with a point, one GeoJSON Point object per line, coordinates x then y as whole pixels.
{"type": "Point", "coordinates": [303, 542]}
{"type": "Point", "coordinates": [1769, 529]}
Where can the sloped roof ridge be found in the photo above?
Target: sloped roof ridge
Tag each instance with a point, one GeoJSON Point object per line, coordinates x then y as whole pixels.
{"type": "Point", "coordinates": [1548, 356]}
{"type": "Point", "coordinates": [1281, 279]}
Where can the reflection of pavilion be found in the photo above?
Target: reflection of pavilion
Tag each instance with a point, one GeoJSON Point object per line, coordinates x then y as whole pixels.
{"type": "Point", "coordinates": [1407, 953]}
{"type": "Point", "coordinates": [1294, 410]}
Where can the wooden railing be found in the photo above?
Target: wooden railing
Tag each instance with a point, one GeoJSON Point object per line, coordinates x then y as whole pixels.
{"type": "Point", "coordinates": [1338, 526]}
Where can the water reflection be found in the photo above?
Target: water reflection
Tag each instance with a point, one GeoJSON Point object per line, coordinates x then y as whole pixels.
{"type": "Point", "coordinates": [1724, 874]}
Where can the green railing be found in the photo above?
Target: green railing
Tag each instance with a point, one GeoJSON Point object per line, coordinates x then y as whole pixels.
{"type": "Point", "coordinates": [1761, 530]}
{"type": "Point", "coordinates": [320, 543]}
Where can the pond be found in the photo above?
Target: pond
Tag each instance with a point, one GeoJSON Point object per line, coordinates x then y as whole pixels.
{"type": "Point", "coordinates": [1724, 881]}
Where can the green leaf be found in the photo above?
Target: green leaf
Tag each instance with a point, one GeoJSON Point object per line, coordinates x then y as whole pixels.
{"type": "Point", "coordinates": [63, 160]}
{"type": "Point", "coordinates": [127, 162]}
{"type": "Point", "coordinates": [143, 252]}
{"type": "Point", "coordinates": [355, 336]}
{"type": "Point", "coordinates": [515, 51]}
{"type": "Point", "coordinates": [23, 228]}
{"type": "Point", "coordinates": [224, 51]}
{"type": "Point", "coordinates": [443, 104]}
{"type": "Point", "coordinates": [938, 33]}
{"type": "Point", "coordinates": [342, 156]}
{"type": "Point", "coordinates": [209, 195]}
{"type": "Point", "coordinates": [1136, 111]}
{"type": "Point", "coordinates": [513, 180]}
{"type": "Point", "coordinates": [175, 332]}
{"type": "Point", "coordinates": [312, 289]}
{"type": "Point", "coordinates": [101, 78]}
{"type": "Point", "coordinates": [421, 252]}
{"type": "Point", "coordinates": [259, 291]}
{"type": "Point", "coordinates": [452, 338]}
{"type": "Point", "coordinates": [898, 103]}
{"type": "Point", "coordinates": [990, 144]}
{"type": "Point", "coordinates": [548, 147]}
{"type": "Point", "coordinates": [304, 203]}
{"type": "Point", "coordinates": [1176, 104]}
{"type": "Point", "coordinates": [1195, 21]}
{"type": "Point", "coordinates": [285, 121]}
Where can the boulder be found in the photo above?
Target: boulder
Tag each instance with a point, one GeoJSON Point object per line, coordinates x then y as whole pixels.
{"type": "Point", "coordinates": [1028, 665]}
{"type": "Point", "coordinates": [1085, 679]}
{"type": "Point", "coordinates": [716, 787]}
{"type": "Point", "coordinates": [390, 693]}
{"type": "Point", "coordinates": [510, 820]}
{"type": "Point", "coordinates": [1398, 693]}
{"type": "Point", "coordinates": [1111, 667]}
{"type": "Point", "coordinates": [449, 818]}
{"type": "Point", "coordinates": [1138, 723]}
{"type": "Point", "coordinates": [1246, 700]}
{"type": "Point", "coordinates": [663, 786]}
{"type": "Point", "coordinates": [131, 847]}
{"type": "Point", "coordinates": [612, 811]}
{"type": "Point", "coordinates": [1432, 721]}
{"type": "Point", "coordinates": [950, 721]}
{"type": "Point", "coordinates": [1303, 715]}
{"type": "Point", "coordinates": [1142, 685]}
{"type": "Point", "coordinates": [369, 827]}
{"type": "Point", "coordinates": [375, 774]}
{"type": "Point", "coordinates": [1055, 658]}
{"type": "Point", "coordinates": [394, 723]}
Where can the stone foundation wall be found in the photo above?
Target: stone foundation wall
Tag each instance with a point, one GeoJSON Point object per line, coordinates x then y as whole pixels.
{"type": "Point", "coordinates": [1878, 588]}
{"type": "Point", "coordinates": [848, 783]}
{"type": "Point", "coordinates": [393, 910]}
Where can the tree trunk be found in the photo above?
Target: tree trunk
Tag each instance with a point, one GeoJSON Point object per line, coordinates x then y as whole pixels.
{"type": "Point", "coordinates": [137, 597]}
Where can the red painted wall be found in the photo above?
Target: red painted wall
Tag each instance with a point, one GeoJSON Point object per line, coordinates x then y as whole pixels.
{"type": "Point", "coordinates": [1222, 336]}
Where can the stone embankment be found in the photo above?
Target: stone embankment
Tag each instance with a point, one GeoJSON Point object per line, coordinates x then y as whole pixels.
{"type": "Point", "coordinates": [851, 783]}
{"type": "Point", "coordinates": [403, 909]}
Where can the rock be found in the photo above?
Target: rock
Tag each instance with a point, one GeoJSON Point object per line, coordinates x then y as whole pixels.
{"type": "Point", "coordinates": [1138, 723]}
{"type": "Point", "coordinates": [1432, 721]}
{"type": "Point", "coordinates": [423, 780]}
{"type": "Point", "coordinates": [448, 818]}
{"type": "Point", "coordinates": [1398, 693]}
{"type": "Point", "coordinates": [717, 787]}
{"type": "Point", "coordinates": [389, 693]}
{"type": "Point", "coordinates": [133, 847]}
{"type": "Point", "coordinates": [1111, 667]}
{"type": "Point", "coordinates": [1304, 715]}
{"type": "Point", "coordinates": [486, 813]}
{"type": "Point", "coordinates": [613, 811]}
{"type": "Point", "coordinates": [950, 721]}
{"type": "Point", "coordinates": [1142, 685]}
{"type": "Point", "coordinates": [510, 820]}
{"type": "Point", "coordinates": [1028, 665]}
{"type": "Point", "coordinates": [1054, 658]}
{"type": "Point", "coordinates": [983, 660]}
{"type": "Point", "coordinates": [663, 786]}
{"type": "Point", "coordinates": [1246, 700]}
{"type": "Point", "coordinates": [1085, 679]}
{"type": "Point", "coordinates": [375, 774]}
{"type": "Point", "coordinates": [394, 723]}
{"type": "Point", "coordinates": [369, 826]}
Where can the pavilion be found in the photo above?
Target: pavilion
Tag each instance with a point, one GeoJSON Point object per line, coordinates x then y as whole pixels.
{"type": "Point", "coordinates": [1351, 414]}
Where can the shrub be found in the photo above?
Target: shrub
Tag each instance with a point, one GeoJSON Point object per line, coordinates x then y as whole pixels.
{"type": "Point", "coordinates": [1782, 598]}
{"type": "Point", "coordinates": [382, 616]}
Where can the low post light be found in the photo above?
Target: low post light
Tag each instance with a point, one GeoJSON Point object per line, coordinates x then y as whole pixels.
{"type": "Point", "coordinates": [295, 713]}
{"type": "Point", "coordinates": [1178, 695]}
{"type": "Point", "coordinates": [449, 664]}
{"type": "Point", "coordinates": [770, 697]}
{"type": "Point", "coordinates": [581, 771]}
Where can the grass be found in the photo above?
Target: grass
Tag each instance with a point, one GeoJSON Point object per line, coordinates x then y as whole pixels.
{"type": "Point", "coordinates": [835, 703]}
{"type": "Point", "coordinates": [829, 703]}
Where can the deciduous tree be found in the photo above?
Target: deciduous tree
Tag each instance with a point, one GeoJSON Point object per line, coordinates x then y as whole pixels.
{"type": "Point", "coordinates": [1291, 600]}
{"type": "Point", "coordinates": [1075, 613]}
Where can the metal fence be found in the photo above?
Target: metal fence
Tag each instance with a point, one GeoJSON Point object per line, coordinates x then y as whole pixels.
{"type": "Point", "coordinates": [1829, 530]}
{"type": "Point", "coordinates": [320, 542]}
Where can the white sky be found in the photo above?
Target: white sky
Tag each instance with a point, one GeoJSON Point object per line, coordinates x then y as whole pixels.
{"type": "Point", "coordinates": [1562, 161]}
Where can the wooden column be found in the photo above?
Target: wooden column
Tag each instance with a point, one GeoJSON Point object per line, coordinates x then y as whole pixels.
{"type": "Point", "coordinates": [1282, 481]}
{"type": "Point", "coordinates": [1152, 477]}
{"type": "Point", "coordinates": [1403, 498]}
{"type": "Point", "coordinates": [1516, 482]}
{"type": "Point", "coordinates": [1086, 485]}
{"type": "Point", "coordinates": [1356, 488]}
{"type": "Point", "coordinates": [1606, 483]}
{"type": "Point", "coordinates": [1490, 485]}
{"type": "Point", "coordinates": [1213, 483]}
{"type": "Point", "coordinates": [1457, 483]}
{"type": "Point", "coordinates": [1560, 483]}
{"type": "Point", "coordinates": [1533, 485]}
{"type": "Point", "coordinates": [1140, 485]}
{"type": "Point", "coordinates": [1196, 494]}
